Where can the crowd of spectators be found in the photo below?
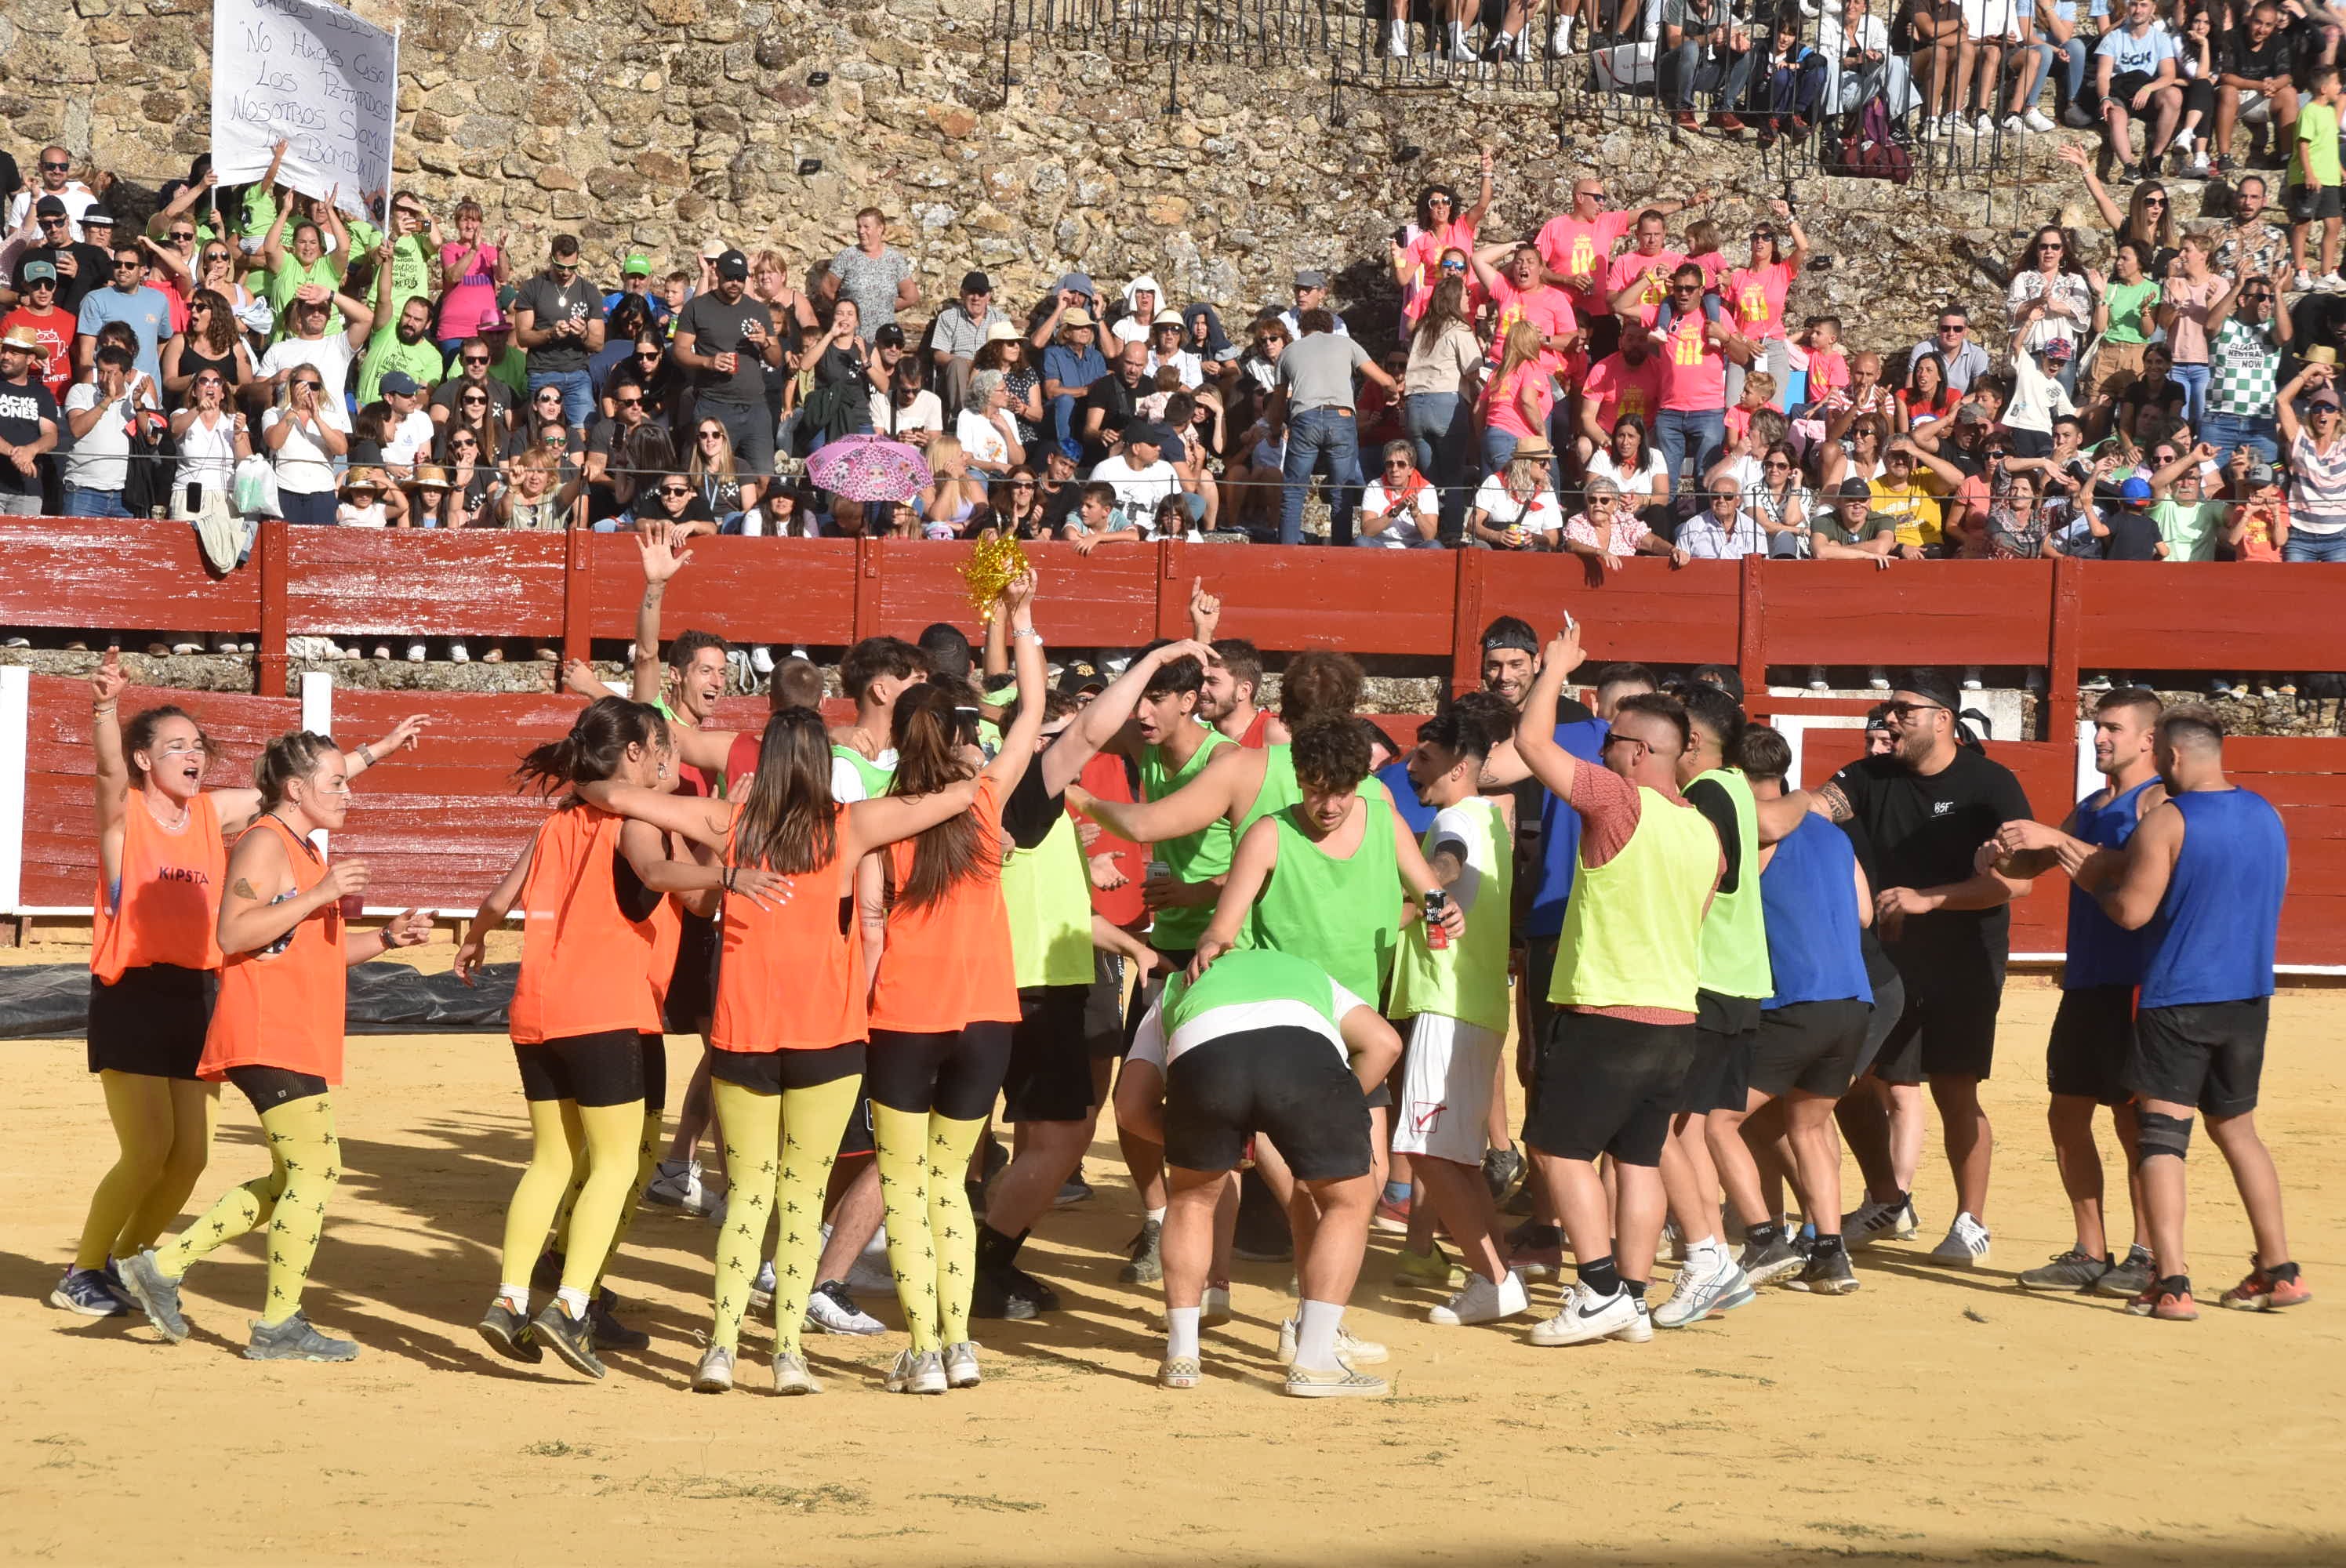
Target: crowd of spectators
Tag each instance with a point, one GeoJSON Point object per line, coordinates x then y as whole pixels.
{"type": "Point", "coordinates": [1606, 381]}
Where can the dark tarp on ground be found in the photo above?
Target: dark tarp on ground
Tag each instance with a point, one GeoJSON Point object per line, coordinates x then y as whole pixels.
{"type": "Point", "coordinates": [51, 1002]}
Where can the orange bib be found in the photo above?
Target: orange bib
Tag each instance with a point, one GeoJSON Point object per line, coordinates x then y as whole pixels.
{"type": "Point", "coordinates": [168, 907]}
{"type": "Point", "coordinates": [283, 1006]}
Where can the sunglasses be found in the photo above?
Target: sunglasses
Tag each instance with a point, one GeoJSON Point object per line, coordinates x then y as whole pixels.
{"type": "Point", "coordinates": [1617, 738]}
{"type": "Point", "coordinates": [550, 395]}
{"type": "Point", "coordinates": [1608, 502]}
{"type": "Point", "coordinates": [712, 435]}
{"type": "Point", "coordinates": [1908, 709]}
{"type": "Point", "coordinates": [53, 223]}
{"type": "Point", "coordinates": [474, 400]}
{"type": "Point", "coordinates": [1453, 266]}
{"type": "Point", "coordinates": [555, 441]}
{"type": "Point", "coordinates": [674, 492]}
{"type": "Point", "coordinates": [629, 401]}
{"type": "Point", "coordinates": [309, 386]}
{"type": "Point", "coordinates": [1953, 326]}
{"type": "Point", "coordinates": [647, 353]}
{"type": "Point", "coordinates": [482, 360]}
{"type": "Point", "coordinates": [1398, 463]}
{"type": "Point", "coordinates": [463, 441]}
{"type": "Point", "coordinates": [1022, 485]}
{"type": "Point", "coordinates": [1775, 463]}
{"type": "Point", "coordinates": [41, 283]}
{"type": "Point", "coordinates": [56, 167]}
{"type": "Point", "coordinates": [212, 256]}
{"type": "Point", "coordinates": [1592, 195]}
{"type": "Point", "coordinates": [2253, 298]}
{"type": "Point", "coordinates": [184, 236]}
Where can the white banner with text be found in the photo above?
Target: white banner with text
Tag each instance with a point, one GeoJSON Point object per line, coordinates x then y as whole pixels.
{"type": "Point", "coordinates": [315, 77]}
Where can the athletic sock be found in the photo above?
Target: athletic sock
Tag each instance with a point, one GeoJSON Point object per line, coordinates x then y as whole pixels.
{"type": "Point", "coordinates": [1396, 1193]}
{"type": "Point", "coordinates": [1600, 1277]}
{"type": "Point", "coordinates": [1898, 1200]}
{"type": "Point", "coordinates": [1181, 1332]}
{"type": "Point", "coordinates": [995, 1249]}
{"type": "Point", "coordinates": [1763, 1235]}
{"type": "Point", "coordinates": [1635, 1287]}
{"type": "Point", "coordinates": [1825, 1245]}
{"type": "Point", "coordinates": [1157, 1214]}
{"type": "Point", "coordinates": [1315, 1334]}
{"type": "Point", "coordinates": [514, 1296]}
{"type": "Point", "coordinates": [2174, 1285]}
{"type": "Point", "coordinates": [573, 1301]}
{"type": "Point", "coordinates": [2281, 1273]}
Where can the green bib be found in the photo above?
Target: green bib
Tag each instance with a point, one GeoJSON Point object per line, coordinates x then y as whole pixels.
{"type": "Point", "coordinates": [1049, 901]}
{"type": "Point", "coordinates": [1342, 915]}
{"type": "Point", "coordinates": [1251, 976]}
{"type": "Point", "coordinates": [877, 780]}
{"type": "Point", "coordinates": [1633, 931]}
{"type": "Point", "coordinates": [1467, 980]}
{"type": "Point", "coordinates": [1194, 857]}
{"type": "Point", "coordinates": [1735, 932]}
{"type": "Point", "coordinates": [1280, 791]}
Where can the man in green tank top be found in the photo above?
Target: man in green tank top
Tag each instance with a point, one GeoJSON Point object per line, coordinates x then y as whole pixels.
{"type": "Point", "coordinates": [1609, 1072]}
{"type": "Point", "coordinates": [1263, 1043]}
{"type": "Point", "coordinates": [871, 675]}
{"type": "Point", "coordinates": [1454, 996]}
{"type": "Point", "coordinates": [1184, 872]}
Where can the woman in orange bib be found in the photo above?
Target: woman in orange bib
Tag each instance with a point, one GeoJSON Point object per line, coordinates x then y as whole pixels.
{"type": "Point", "coordinates": [944, 999]}
{"type": "Point", "coordinates": [600, 937]}
{"type": "Point", "coordinates": [154, 971]}
{"type": "Point", "coordinates": [787, 1037]}
{"type": "Point", "coordinates": [277, 1035]}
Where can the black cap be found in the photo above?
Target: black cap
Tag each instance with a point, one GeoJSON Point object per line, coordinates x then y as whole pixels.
{"type": "Point", "coordinates": [49, 206]}
{"type": "Point", "coordinates": [1723, 677]}
{"type": "Point", "coordinates": [891, 336]}
{"type": "Point", "coordinates": [732, 264]}
{"type": "Point", "coordinates": [1155, 434]}
{"type": "Point", "coordinates": [1079, 676]}
{"type": "Point", "coordinates": [1854, 489]}
{"type": "Point", "coordinates": [975, 283]}
{"type": "Point", "coordinates": [1932, 684]}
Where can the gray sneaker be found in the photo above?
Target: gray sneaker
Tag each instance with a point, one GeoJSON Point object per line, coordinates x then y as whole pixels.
{"type": "Point", "coordinates": [961, 1365]}
{"type": "Point", "coordinates": [916, 1372]}
{"type": "Point", "coordinates": [2070, 1270]}
{"type": "Point", "coordinates": [1148, 1264]}
{"type": "Point", "coordinates": [156, 1293]}
{"type": "Point", "coordinates": [297, 1340]}
{"type": "Point", "coordinates": [1699, 1292]}
{"type": "Point", "coordinates": [572, 1338]}
{"type": "Point", "coordinates": [2129, 1279]}
{"type": "Point", "coordinates": [715, 1373]}
{"type": "Point", "coordinates": [1765, 1263]}
{"type": "Point", "coordinates": [791, 1377]}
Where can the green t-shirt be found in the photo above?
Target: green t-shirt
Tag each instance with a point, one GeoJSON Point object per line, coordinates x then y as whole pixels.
{"type": "Point", "coordinates": [410, 261]}
{"type": "Point", "coordinates": [326, 271]}
{"type": "Point", "coordinates": [1826, 524]}
{"type": "Point", "coordinates": [2316, 152]}
{"type": "Point", "coordinates": [2189, 527]}
{"type": "Point", "coordinates": [2131, 305]}
{"type": "Point", "coordinates": [385, 353]}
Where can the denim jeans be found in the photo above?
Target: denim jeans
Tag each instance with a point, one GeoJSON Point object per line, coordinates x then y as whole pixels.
{"type": "Point", "coordinates": [1312, 435]}
{"type": "Point", "coordinates": [2303, 546]}
{"type": "Point", "coordinates": [1887, 79]}
{"type": "Point", "coordinates": [1441, 425]}
{"type": "Point", "coordinates": [1699, 434]}
{"type": "Point", "coordinates": [578, 394]}
{"type": "Point", "coordinates": [1498, 448]}
{"type": "Point", "coordinates": [2193, 379]}
{"type": "Point", "coordinates": [316, 509]}
{"type": "Point", "coordinates": [94, 504]}
{"type": "Point", "coordinates": [2224, 432]}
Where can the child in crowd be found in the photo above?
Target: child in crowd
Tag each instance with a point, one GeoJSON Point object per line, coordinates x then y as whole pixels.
{"type": "Point", "coordinates": [1758, 392]}
{"type": "Point", "coordinates": [362, 504]}
{"type": "Point", "coordinates": [2260, 527]}
{"type": "Point", "coordinates": [2313, 178]}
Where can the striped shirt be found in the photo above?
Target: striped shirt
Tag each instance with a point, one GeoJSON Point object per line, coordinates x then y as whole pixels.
{"type": "Point", "coordinates": [2317, 488]}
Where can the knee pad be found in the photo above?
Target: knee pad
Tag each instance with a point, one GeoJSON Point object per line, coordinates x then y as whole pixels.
{"type": "Point", "coordinates": [2159, 1134]}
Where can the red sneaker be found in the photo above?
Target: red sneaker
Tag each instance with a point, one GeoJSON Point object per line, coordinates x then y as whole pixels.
{"type": "Point", "coordinates": [1726, 122]}
{"type": "Point", "coordinates": [1390, 1217]}
{"type": "Point", "coordinates": [1531, 1259]}
{"type": "Point", "coordinates": [1686, 120]}
{"type": "Point", "coordinates": [2172, 1306]}
{"type": "Point", "coordinates": [2261, 1292]}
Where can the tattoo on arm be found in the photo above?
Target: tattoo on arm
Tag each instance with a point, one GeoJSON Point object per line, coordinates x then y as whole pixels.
{"type": "Point", "coordinates": [1836, 804]}
{"type": "Point", "coordinates": [244, 890]}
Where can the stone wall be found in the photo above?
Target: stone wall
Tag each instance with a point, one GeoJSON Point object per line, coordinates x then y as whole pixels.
{"type": "Point", "coordinates": [657, 124]}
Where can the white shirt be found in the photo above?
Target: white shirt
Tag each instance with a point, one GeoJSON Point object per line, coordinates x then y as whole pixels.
{"type": "Point", "coordinates": [373, 516]}
{"type": "Point", "coordinates": [99, 459]}
{"type": "Point", "coordinates": [1702, 537]}
{"type": "Point", "coordinates": [1637, 481]}
{"type": "Point", "coordinates": [847, 783]}
{"type": "Point", "coordinates": [329, 356]}
{"type": "Point", "coordinates": [1396, 534]}
{"type": "Point", "coordinates": [1193, 370]}
{"type": "Point", "coordinates": [413, 435]}
{"type": "Point", "coordinates": [981, 439]}
{"type": "Point", "coordinates": [207, 455]}
{"type": "Point", "coordinates": [1140, 491]}
{"type": "Point", "coordinates": [303, 467]}
{"type": "Point", "coordinates": [924, 412]}
{"type": "Point", "coordinates": [1455, 829]}
{"type": "Point", "coordinates": [1502, 510]}
{"type": "Point", "coordinates": [78, 198]}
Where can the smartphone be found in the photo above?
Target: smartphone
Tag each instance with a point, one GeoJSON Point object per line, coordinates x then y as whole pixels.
{"type": "Point", "coordinates": [1437, 903]}
{"type": "Point", "coordinates": [195, 498]}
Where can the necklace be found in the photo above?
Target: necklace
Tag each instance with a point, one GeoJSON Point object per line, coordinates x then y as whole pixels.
{"type": "Point", "coordinates": [169, 825]}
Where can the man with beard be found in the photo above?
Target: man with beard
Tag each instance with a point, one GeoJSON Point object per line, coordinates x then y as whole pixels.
{"type": "Point", "coordinates": [725, 340]}
{"type": "Point", "coordinates": [1228, 701]}
{"type": "Point", "coordinates": [403, 345]}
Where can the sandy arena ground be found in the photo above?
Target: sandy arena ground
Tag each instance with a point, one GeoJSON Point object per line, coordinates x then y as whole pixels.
{"type": "Point", "coordinates": [1931, 1417]}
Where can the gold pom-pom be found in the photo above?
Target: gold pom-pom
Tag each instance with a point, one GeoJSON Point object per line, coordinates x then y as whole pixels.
{"type": "Point", "coordinates": [992, 566]}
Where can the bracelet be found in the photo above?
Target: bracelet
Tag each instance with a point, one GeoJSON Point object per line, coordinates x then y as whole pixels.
{"type": "Point", "coordinates": [101, 707]}
{"type": "Point", "coordinates": [366, 754]}
{"type": "Point", "coordinates": [1027, 632]}
{"type": "Point", "coordinates": [726, 881]}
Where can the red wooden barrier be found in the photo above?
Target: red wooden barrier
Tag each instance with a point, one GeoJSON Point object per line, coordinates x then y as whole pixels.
{"type": "Point", "coordinates": [98, 574]}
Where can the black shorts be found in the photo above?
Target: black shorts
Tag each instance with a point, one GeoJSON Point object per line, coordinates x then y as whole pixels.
{"type": "Point", "coordinates": [1720, 1076]}
{"type": "Point", "coordinates": [2092, 1033]}
{"type": "Point", "coordinates": [1285, 1082]}
{"type": "Point", "coordinates": [1811, 1046]}
{"type": "Point", "coordinates": [1888, 1004]}
{"type": "Point", "coordinates": [1050, 1074]}
{"type": "Point", "coordinates": [654, 1054]}
{"type": "Point", "coordinates": [771, 1071]}
{"type": "Point", "coordinates": [1108, 1022]}
{"type": "Point", "coordinates": [2211, 1054]}
{"type": "Point", "coordinates": [855, 1139]}
{"type": "Point", "coordinates": [269, 1087]}
{"type": "Point", "coordinates": [1948, 1026]}
{"type": "Point", "coordinates": [2123, 85]}
{"type": "Point", "coordinates": [956, 1073]}
{"type": "Point", "coordinates": [152, 1020]}
{"type": "Point", "coordinates": [2311, 206]}
{"type": "Point", "coordinates": [1607, 1085]}
{"type": "Point", "coordinates": [605, 1069]}
{"type": "Point", "coordinates": [692, 983]}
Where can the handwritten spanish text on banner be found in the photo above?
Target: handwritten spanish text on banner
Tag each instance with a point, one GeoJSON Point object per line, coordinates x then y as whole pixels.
{"type": "Point", "coordinates": [310, 74]}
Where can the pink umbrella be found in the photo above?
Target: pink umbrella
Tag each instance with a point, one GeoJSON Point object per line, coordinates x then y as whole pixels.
{"type": "Point", "coordinates": [869, 468]}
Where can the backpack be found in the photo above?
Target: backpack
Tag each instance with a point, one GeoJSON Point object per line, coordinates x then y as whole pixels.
{"type": "Point", "coordinates": [1870, 149]}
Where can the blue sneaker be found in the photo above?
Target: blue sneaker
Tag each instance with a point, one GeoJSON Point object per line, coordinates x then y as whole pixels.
{"type": "Point", "coordinates": [156, 1294]}
{"type": "Point", "coordinates": [88, 1292]}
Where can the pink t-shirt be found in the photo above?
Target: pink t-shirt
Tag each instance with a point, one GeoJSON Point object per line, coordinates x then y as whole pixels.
{"type": "Point", "coordinates": [1617, 387]}
{"type": "Point", "coordinates": [474, 295]}
{"type": "Point", "coordinates": [1828, 373]}
{"type": "Point", "coordinates": [1584, 249]}
{"type": "Point", "coordinates": [1696, 377]}
{"type": "Point", "coordinates": [1545, 308]}
{"type": "Point", "coordinates": [1656, 270]}
{"type": "Point", "coordinates": [1714, 267]}
{"type": "Point", "coordinates": [2188, 336]}
{"type": "Point", "coordinates": [1424, 254]}
{"type": "Point", "coordinates": [1502, 400]}
{"type": "Point", "coordinates": [1756, 295]}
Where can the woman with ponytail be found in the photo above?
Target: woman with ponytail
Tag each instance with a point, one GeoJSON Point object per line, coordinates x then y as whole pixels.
{"type": "Point", "coordinates": [598, 941]}
{"type": "Point", "coordinates": [277, 1035]}
{"type": "Point", "coordinates": [944, 999]}
{"type": "Point", "coordinates": [788, 1032]}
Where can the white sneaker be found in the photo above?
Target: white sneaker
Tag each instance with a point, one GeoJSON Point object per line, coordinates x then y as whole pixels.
{"type": "Point", "coordinates": [1483, 1301]}
{"type": "Point", "coordinates": [1353, 1352]}
{"type": "Point", "coordinates": [1985, 124]}
{"type": "Point", "coordinates": [2329, 282]}
{"type": "Point", "coordinates": [1871, 1222]}
{"type": "Point", "coordinates": [1951, 123]}
{"type": "Point", "coordinates": [1877, 678]}
{"type": "Point", "coordinates": [832, 1309]}
{"type": "Point", "coordinates": [676, 1183]}
{"type": "Point", "coordinates": [1214, 1307]}
{"type": "Point", "coordinates": [2015, 126]}
{"type": "Point", "coordinates": [762, 660]}
{"type": "Point", "coordinates": [1585, 1317]}
{"type": "Point", "coordinates": [460, 653]}
{"type": "Point", "coordinates": [1701, 1290]}
{"type": "Point", "coordinates": [1965, 1246]}
{"type": "Point", "coordinates": [1559, 43]}
{"type": "Point", "coordinates": [416, 653]}
{"type": "Point", "coordinates": [1639, 1330]}
{"type": "Point", "coordinates": [2035, 120]}
{"type": "Point", "coordinates": [761, 1289]}
{"type": "Point", "coordinates": [1816, 681]}
{"type": "Point", "coordinates": [1971, 678]}
{"type": "Point", "coordinates": [920, 1372]}
{"type": "Point", "coordinates": [2303, 282]}
{"type": "Point", "coordinates": [1397, 38]}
